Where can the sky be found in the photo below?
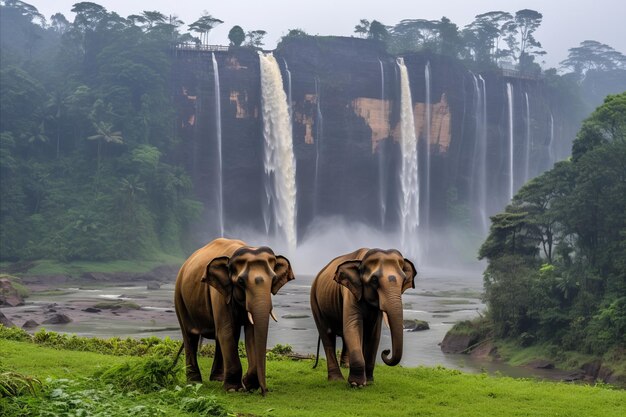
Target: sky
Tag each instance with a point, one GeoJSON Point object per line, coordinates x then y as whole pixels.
{"type": "Point", "coordinates": [566, 23]}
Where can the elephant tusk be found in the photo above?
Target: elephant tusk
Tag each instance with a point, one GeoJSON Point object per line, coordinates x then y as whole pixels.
{"type": "Point", "coordinates": [273, 316]}
{"type": "Point", "coordinates": [250, 318]}
{"type": "Point", "coordinates": [386, 319]}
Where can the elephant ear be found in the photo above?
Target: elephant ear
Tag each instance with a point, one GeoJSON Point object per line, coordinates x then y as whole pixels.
{"type": "Point", "coordinates": [410, 272]}
{"type": "Point", "coordinates": [349, 275]}
{"type": "Point", "coordinates": [283, 272]}
{"type": "Point", "coordinates": [217, 276]}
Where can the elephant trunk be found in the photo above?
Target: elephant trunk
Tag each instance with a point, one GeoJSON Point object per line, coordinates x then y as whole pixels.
{"type": "Point", "coordinates": [397, 333]}
{"type": "Point", "coordinates": [261, 324]}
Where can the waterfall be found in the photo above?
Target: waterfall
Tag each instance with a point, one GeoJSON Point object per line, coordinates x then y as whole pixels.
{"type": "Point", "coordinates": [527, 144]}
{"type": "Point", "coordinates": [319, 131]}
{"type": "Point", "coordinates": [409, 181]}
{"type": "Point", "coordinates": [218, 135]}
{"type": "Point", "coordinates": [289, 101]}
{"type": "Point", "coordinates": [509, 95]}
{"type": "Point", "coordinates": [381, 157]}
{"type": "Point", "coordinates": [427, 116]}
{"type": "Point", "coordinates": [551, 143]}
{"type": "Point", "coordinates": [279, 160]}
{"type": "Point", "coordinates": [479, 160]}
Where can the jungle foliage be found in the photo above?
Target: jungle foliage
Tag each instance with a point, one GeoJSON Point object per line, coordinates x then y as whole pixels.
{"type": "Point", "coordinates": [87, 136]}
{"type": "Point", "coordinates": [557, 254]}
{"type": "Point", "coordinates": [70, 387]}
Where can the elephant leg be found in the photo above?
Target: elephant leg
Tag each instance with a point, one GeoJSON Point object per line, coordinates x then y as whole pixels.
{"type": "Point", "coordinates": [217, 370]}
{"type": "Point", "coordinates": [251, 379]}
{"type": "Point", "coordinates": [329, 340]}
{"type": "Point", "coordinates": [191, 340]}
{"type": "Point", "coordinates": [232, 364]}
{"type": "Point", "coordinates": [353, 336]}
{"type": "Point", "coordinates": [345, 359]}
{"type": "Point", "coordinates": [370, 349]}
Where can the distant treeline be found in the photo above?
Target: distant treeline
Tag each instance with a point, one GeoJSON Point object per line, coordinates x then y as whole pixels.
{"type": "Point", "coordinates": [557, 255]}
{"type": "Point", "coordinates": [87, 126]}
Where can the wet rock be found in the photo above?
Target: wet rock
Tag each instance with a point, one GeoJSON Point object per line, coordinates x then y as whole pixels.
{"type": "Point", "coordinates": [540, 364]}
{"type": "Point", "coordinates": [592, 368]}
{"type": "Point", "coordinates": [58, 319]}
{"type": "Point", "coordinates": [8, 294]}
{"type": "Point", "coordinates": [458, 343]}
{"type": "Point", "coordinates": [30, 324]}
{"type": "Point", "coordinates": [92, 310]}
{"type": "Point", "coordinates": [153, 286]}
{"type": "Point", "coordinates": [415, 325]}
{"type": "Point", "coordinates": [51, 310]}
{"type": "Point", "coordinates": [4, 320]}
{"type": "Point", "coordinates": [295, 316]}
{"type": "Point", "coordinates": [169, 311]}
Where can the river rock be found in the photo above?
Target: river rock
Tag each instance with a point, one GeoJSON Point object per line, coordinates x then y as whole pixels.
{"type": "Point", "coordinates": [4, 320]}
{"type": "Point", "coordinates": [458, 343]}
{"type": "Point", "coordinates": [592, 369]}
{"type": "Point", "coordinates": [415, 325]}
{"type": "Point", "coordinates": [153, 286]}
{"type": "Point", "coordinates": [8, 294]}
{"type": "Point", "coordinates": [92, 310]}
{"type": "Point", "coordinates": [30, 324]}
{"type": "Point", "coordinates": [58, 319]}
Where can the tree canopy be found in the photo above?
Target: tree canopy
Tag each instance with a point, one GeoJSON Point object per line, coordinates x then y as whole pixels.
{"type": "Point", "coordinates": [556, 256]}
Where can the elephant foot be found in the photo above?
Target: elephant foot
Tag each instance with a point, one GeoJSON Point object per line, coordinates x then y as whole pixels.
{"type": "Point", "coordinates": [370, 378]}
{"type": "Point", "coordinates": [194, 378]}
{"type": "Point", "coordinates": [358, 382]}
{"type": "Point", "coordinates": [233, 387]}
{"type": "Point", "coordinates": [216, 377]}
{"type": "Point", "coordinates": [251, 382]}
{"type": "Point", "coordinates": [335, 376]}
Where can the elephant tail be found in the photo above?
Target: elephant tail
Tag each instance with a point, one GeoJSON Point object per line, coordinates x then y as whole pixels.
{"type": "Point", "coordinates": [317, 355]}
{"type": "Point", "coordinates": [182, 345]}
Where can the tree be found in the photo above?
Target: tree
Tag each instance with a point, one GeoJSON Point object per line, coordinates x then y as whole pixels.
{"type": "Point", "coordinates": [377, 31]}
{"type": "Point", "coordinates": [236, 36]}
{"type": "Point", "coordinates": [255, 38]}
{"type": "Point", "coordinates": [105, 134]}
{"type": "Point", "coordinates": [484, 35]}
{"type": "Point", "coordinates": [362, 28]}
{"type": "Point", "coordinates": [593, 55]}
{"type": "Point", "coordinates": [204, 25]}
{"type": "Point", "coordinates": [526, 22]}
{"type": "Point", "coordinates": [59, 23]}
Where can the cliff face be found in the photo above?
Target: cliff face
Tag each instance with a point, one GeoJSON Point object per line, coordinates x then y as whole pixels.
{"type": "Point", "coordinates": [344, 95]}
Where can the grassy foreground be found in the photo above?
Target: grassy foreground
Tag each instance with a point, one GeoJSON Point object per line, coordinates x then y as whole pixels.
{"type": "Point", "coordinates": [83, 383]}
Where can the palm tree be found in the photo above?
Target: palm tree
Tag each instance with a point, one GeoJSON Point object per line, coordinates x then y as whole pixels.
{"type": "Point", "coordinates": [204, 25]}
{"type": "Point", "coordinates": [105, 134]}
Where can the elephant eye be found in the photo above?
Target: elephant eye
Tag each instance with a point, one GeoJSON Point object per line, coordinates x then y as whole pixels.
{"type": "Point", "coordinates": [241, 281]}
{"type": "Point", "coordinates": [374, 279]}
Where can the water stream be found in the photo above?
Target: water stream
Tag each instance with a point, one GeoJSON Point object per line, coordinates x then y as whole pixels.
{"type": "Point", "coordinates": [409, 176]}
{"type": "Point", "coordinates": [279, 160]}
{"type": "Point", "coordinates": [218, 133]}
{"type": "Point", "coordinates": [509, 96]}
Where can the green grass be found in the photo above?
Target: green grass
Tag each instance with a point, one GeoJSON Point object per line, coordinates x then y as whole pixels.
{"type": "Point", "coordinates": [298, 390]}
{"type": "Point", "coordinates": [52, 267]}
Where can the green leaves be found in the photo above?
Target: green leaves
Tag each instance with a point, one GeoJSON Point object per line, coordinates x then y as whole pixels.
{"type": "Point", "coordinates": [576, 214]}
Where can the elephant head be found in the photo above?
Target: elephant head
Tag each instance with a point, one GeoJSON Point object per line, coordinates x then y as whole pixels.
{"type": "Point", "coordinates": [379, 279]}
{"type": "Point", "coordinates": [247, 278]}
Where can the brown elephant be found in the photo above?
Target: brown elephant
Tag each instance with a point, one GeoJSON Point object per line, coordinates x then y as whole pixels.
{"type": "Point", "coordinates": [349, 297]}
{"type": "Point", "coordinates": [221, 287]}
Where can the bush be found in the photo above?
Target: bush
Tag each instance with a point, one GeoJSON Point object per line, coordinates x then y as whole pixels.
{"type": "Point", "coordinates": [146, 375]}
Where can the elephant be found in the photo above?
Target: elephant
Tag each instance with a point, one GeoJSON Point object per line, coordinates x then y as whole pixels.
{"type": "Point", "coordinates": [349, 297]}
{"type": "Point", "coordinates": [220, 288]}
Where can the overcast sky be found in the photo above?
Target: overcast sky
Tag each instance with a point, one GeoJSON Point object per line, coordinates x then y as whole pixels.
{"type": "Point", "coordinates": [566, 23]}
